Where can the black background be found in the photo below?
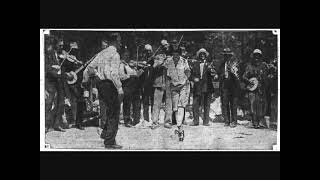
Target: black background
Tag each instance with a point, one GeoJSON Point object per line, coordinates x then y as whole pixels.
{"type": "Point", "coordinates": [160, 14]}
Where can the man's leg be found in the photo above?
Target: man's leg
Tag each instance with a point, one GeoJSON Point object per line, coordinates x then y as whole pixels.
{"type": "Point", "coordinates": [126, 106]}
{"type": "Point", "coordinates": [158, 93]}
{"type": "Point", "coordinates": [206, 107]}
{"type": "Point", "coordinates": [145, 101]}
{"type": "Point", "coordinates": [225, 107]}
{"type": "Point", "coordinates": [136, 107]}
{"type": "Point", "coordinates": [196, 103]}
{"type": "Point", "coordinates": [103, 114]}
{"type": "Point", "coordinates": [110, 95]}
{"type": "Point", "coordinates": [233, 109]}
{"type": "Point", "coordinates": [49, 101]}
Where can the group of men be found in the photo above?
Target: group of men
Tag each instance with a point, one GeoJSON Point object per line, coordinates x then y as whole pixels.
{"type": "Point", "coordinates": [165, 76]}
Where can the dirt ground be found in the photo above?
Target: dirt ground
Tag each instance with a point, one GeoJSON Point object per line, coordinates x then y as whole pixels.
{"type": "Point", "coordinates": [214, 137]}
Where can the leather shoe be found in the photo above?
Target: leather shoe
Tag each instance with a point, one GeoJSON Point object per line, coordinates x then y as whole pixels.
{"type": "Point", "coordinates": [167, 125]}
{"type": "Point", "coordinates": [194, 124]}
{"type": "Point", "coordinates": [129, 125]}
{"type": "Point", "coordinates": [80, 127]}
{"type": "Point", "coordinates": [233, 124]}
{"type": "Point", "coordinates": [114, 146]}
{"type": "Point", "coordinates": [206, 124]}
{"type": "Point", "coordinates": [59, 129]}
{"type": "Point", "coordinates": [226, 124]}
{"type": "Point", "coordinates": [155, 126]}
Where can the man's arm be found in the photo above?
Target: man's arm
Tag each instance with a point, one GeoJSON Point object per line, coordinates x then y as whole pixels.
{"type": "Point", "coordinates": [115, 72]}
{"type": "Point", "coordinates": [187, 70]}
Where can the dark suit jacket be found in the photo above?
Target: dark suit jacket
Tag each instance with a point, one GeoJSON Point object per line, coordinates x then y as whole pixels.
{"type": "Point", "coordinates": [51, 74]}
{"type": "Point", "coordinates": [204, 84]}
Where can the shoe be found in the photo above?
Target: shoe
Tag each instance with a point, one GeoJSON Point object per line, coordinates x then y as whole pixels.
{"type": "Point", "coordinates": [226, 124]}
{"type": "Point", "coordinates": [140, 124]}
{"type": "Point", "coordinates": [103, 134]}
{"type": "Point", "coordinates": [114, 146]}
{"type": "Point", "coordinates": [80, 127]}
{"type": "Point", "coordinates": [207, 124]}
{"type": "Point", "coordinates": [155, 126]}
{"type": "Point", "coordinates": [148, 123]}
{"type": "Point", "coordinates": [59, 129]}
{"type": "Point", "coordinates": [233, 124]}
{"type": "Point", "coordinates": [66, 126]}
{"type": "Point", "coordinates": [194, 124]}
{"type": "Point", "coordinates": [128, 125]}
{"type": "Point", "coordinates": [168, 125]}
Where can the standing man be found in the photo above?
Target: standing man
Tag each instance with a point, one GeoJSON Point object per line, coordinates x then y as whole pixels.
{"type": "Point", "coordinates": [202, 75]}
{"type": "Point", "coordinates": [230, 84]}
{"type": "Point", "coordinates": [257, 69]}
{"type": "Point", "coordinates": [146, 81]}
{"type": "Point", "coordinates": [54, 87]}
{"type": "Point", "coordinates": [130, 84]}
{"type": "Point", "coordinates": [74, 91]}
{"type": "Point", "coordinates": [178, 72]}
{"type": "Point", "coordinates": [105, 68]}
{"type": "Point", "coordinates": [160, 87]}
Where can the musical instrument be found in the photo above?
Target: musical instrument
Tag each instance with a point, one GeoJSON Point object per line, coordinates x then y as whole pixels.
{"type": "Point", "coordinates": [254, 84]}
{"type": "Point", "coordinates": [74, 73]}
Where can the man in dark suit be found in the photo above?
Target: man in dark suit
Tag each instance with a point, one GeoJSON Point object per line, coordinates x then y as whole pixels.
{"type": "Point", "coordinates": [74, 91]}
{"type": "Point", "coordinates": [230, 87]}
{"type": "Point", "coordinates": [54, 101]}
{"type": "Point", "coordinates": [202, 74]}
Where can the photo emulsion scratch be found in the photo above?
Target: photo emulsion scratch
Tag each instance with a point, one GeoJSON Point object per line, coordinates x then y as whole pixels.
{"type": "Point", "coordinates": [159, 90]}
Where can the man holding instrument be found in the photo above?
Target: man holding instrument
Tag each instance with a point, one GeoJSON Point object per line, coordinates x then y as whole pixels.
{"type": "Point", "coordinates": [74, 91]}
{"type": "Point", "coordinates": [54, 102]}
{"type": "Point", "coordinates": [256, 69]}
{"type": "Point", "coordinates": [202, 74]}
{"type": "Point", "coordinates": [230, 87]}
{"type": "Point", "coordinates": [105, 70]}
{"type": "Point", "coordinates": [130, 83]}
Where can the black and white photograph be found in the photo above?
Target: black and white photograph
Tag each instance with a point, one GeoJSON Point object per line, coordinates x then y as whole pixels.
{"type": "Point", "coordinates": [159, 89]}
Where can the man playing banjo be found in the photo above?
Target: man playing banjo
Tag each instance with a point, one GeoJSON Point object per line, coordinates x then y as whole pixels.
{"type": "Point", "coordinates": [255, 75]}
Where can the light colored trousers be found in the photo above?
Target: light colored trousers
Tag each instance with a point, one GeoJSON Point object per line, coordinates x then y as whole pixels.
{"type": "Point", "coordinates": [158, 95]}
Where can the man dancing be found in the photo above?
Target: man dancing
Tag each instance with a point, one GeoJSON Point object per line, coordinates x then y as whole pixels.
{"type": "Point", "coordinates": [105, 68]}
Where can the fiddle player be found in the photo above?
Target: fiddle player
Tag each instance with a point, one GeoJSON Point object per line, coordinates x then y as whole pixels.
{"type": "Point", "coordinates": [146, 88]}
{"type": "Point", "coordinates": [130, 84]}
{"type": "Point", "coordinates": [230, 87]}
{"type": "Point", "coordinates": [74, 91]}
{"type": "Point", "coordinates": [105, 70]}
{"type": "Point", "coordinates": [256, 68]}
{"type": "Point", "coordinates": [159, 84]}
{"type": "Point", "coordinates": [202, 74]}
{"type": "Point", "coordinates": [54, 86]}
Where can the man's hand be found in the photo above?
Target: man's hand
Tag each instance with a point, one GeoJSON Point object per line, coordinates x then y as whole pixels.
{"type": "Point", "coordinates": [196, 79]}
{"type": "Point", "coordinates": [139, 72]}
{"type": "Point", "coordinates": [92, 71]}
{"type": "Point", "coordinates": [56, 67]}
{"type": "Point", "coordinates": [121, 94]}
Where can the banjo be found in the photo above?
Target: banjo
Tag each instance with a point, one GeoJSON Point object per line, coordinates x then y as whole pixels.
{"type": "Point", "coordinates": [254, 84]}
{"type": "Point", "coordinates": [74, 73]}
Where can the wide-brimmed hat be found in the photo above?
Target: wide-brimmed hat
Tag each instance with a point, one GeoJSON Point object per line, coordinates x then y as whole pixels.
{"type": "Point", "coordinates": [148, 47]}
{"type": "Point", "coordinates": [257, 51]}
{"type": "Point", "coordinates": [164, 42]}
{"type": "Point", "coordinates": [202, 50]}
{"type": "Point", "coordinates": [227, 51]}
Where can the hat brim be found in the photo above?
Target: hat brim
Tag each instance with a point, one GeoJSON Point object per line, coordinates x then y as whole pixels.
{"type": "Point", "coordinates": [198, 53]}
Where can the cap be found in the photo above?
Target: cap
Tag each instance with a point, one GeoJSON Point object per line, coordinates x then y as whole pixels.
{"type": "Point", "coordinates": [257, 51]}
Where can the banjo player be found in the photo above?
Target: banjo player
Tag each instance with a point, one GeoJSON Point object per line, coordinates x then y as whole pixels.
{"type": "Point", "coordinates": [254, 75]}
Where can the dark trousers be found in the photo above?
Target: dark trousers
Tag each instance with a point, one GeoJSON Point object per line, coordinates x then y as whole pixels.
{"type": "Point", "coordinates": [198, 99]}
{"type": "Point", "coordinates": [147, 100]}
{"type": "Point", "coordinates": [74, 93]}
{"type": "Point", "coordinates": [55, 97]}
{"type": "Point", "coordinates": [134, 100]}
{"type": "Point", "coordinates": [229, 105]}
{"type": "Point", "coordinates": [109, 95]}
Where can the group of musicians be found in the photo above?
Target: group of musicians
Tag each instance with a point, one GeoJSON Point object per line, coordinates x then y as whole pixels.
{"type": "Point", "coordinates": [164, 76]}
